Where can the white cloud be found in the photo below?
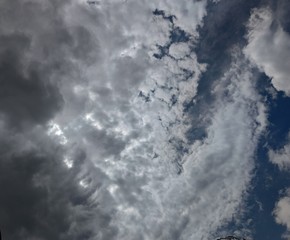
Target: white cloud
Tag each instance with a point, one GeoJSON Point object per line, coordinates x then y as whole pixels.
{"type": "Point", "coordinates": [268, 47]}
{"type": "Point", "coordinates": [150, 200]}
{"type": "Point", "coordinates": [121, 133]}
{"type": "Point", "coordinates": [136, 140]}
{"type": "Point", "coordinates": [282, 213]}
{"type": "Point", "coordinates": [281, 157]}
{"type": "Point", "coordinates": [179, 50]}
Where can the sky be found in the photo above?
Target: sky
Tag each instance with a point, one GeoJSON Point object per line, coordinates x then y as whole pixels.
{"type": "Point", "coordinates": [144, 120]}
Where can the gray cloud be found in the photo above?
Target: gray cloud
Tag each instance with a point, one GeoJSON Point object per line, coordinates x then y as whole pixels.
{"type": "Point", "coordinates": [40, 198]}
{"type": "Point", "coordinates": [26, 98]}
{"type": "Point", "coordinates": [93, 160]}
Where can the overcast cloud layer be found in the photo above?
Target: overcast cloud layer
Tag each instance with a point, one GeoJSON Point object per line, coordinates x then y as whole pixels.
{"type": "Point", "coordinates": [134, 119]}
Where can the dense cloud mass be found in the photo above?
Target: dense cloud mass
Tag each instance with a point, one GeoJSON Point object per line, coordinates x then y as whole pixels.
{"type": "Point", "coordinates": [135, 119]}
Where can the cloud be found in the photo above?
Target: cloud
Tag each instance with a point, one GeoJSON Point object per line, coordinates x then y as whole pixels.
{"type": "Point", "coordinates": [216, 168]}
{"type": "Point", "coordinates": [281, 157]}
{"type": "Point", "coordinates": [282, 213]}
{"type": "Point", "coordinates": [267, 47]}
{"type": "Point", "coordinates": [71, 74]}
{"type": "Point", "coordinates": [97, 142]}
{"type": "Point", "coordinates": [40, 198]}
{"type": "Point", "coordinates": [222, 156]}
{"type": "Point", "coordinates": [26, 99]}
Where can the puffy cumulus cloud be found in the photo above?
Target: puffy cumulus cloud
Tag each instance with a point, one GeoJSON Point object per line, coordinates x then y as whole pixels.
{"type": "Point", "coordinates": [281, 157]}
{"type": "Point", "coordinates": [268, 45]}
{"type": "Point", "coordinates": [282, 213]}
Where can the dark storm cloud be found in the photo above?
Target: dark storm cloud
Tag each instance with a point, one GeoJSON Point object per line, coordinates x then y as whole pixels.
{"type": "Point", "coordinates": [36, 50]}
{"type": "Point", "coordinates": [26, 98]}
{"type": "Point", "coordinates": [27, 210]}
{"type": "Point", "coordinates": [40, 198]}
